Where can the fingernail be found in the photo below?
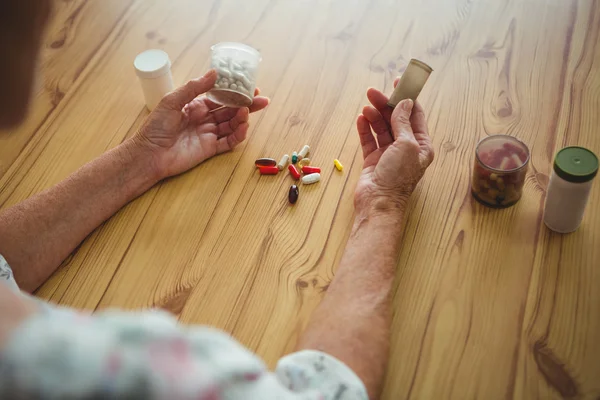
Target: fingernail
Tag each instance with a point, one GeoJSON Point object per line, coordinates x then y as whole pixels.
{"type": "Point", "coordinates": [407, 104]}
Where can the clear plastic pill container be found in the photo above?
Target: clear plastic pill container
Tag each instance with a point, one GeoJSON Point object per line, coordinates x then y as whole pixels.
{"type": "Point", "coordinates": [236, 65]}
{"type": "Point", "coordinates": [499, 171]}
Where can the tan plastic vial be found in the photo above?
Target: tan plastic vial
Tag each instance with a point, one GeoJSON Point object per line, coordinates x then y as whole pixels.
{"type": "Point", "coordinates": [411, 82]}
{"type": "Point", "coordinates": [153, 68]}
{"type": "Point", "coordinates": [569, 188]}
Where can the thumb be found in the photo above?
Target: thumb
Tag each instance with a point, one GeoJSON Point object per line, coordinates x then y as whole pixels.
{"type": "Point", "coordinates": [181, 96]}
{"type": "Point", "coordinates": [400, 120]}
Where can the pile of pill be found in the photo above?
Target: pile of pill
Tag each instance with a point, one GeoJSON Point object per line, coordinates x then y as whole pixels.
{"type": "Point", "coordinates": [234, 79]}
{"type": "Point", "coordinates": [297, 163]}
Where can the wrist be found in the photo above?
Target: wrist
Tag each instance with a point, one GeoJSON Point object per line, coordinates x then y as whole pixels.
{"type": "Point", "coordinates": [382, 205]}
{"type": "Point", "coordinates": [139, 162]}
{"type": "Point", "coordinates": [384, 213]}
{"type": "Point", "coordinates": [143, 154]}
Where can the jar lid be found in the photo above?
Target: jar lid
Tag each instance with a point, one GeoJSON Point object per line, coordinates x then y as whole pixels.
{"type": "Point", "coordinates": [152, 64]}
{"type": "Point", "coordinates": [576, 164]}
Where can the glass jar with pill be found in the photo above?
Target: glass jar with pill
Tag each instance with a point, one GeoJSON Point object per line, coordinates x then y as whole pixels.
{"type": "Point", "coordinates": [236, 65]}
{"type": "Point", "coordinates": [499, 171]}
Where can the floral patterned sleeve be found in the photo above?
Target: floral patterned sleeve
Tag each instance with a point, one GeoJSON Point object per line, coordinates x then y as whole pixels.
{"type": "Point", "coordinates": [62, 354]}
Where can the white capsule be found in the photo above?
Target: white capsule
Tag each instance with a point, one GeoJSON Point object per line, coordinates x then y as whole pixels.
{"type": "Point", "coordinates": [221, 63]}
{"type": "Point", "coordinates": [239, 83]}
{"type": "Point", "coordinates": [235, 65]}
{"type": "Point", "coordinates": [247, 82]}
{"type": "Point", "coordinates": [224, 85]}
{"type": "Point", "coordinates": [304, 152]}
{"type": "Point", "coordinates": [283, 162]}
{"type": "Point", "coordinates": [311, 178]}
{"type": "Point", "coordinates": [223, 72]}
{"type": "Point", "coordinates": [242, 90]}
{"type": "Point", "coordinates": [237, 75]}
{"type": "Point", "coordinates": [233, 86]}
{"type": "Point", "coordinates": [217, 86]}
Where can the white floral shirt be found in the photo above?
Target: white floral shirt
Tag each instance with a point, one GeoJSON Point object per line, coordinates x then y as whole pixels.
{"type": "Point", "coordinates": [63, 354]}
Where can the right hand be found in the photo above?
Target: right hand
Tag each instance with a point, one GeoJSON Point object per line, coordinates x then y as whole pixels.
{"type": "Point", "coordinates": [397, 160]}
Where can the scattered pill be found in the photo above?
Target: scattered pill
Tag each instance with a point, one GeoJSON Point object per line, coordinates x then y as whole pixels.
{"type": "Point", "coordinates": [265, 162]}
{"type": "Point", "coordinates": [338, 164]}
{"type": "Point", "coordinates": [294, 171]}
{"type": "Point", "coordinates": [304, 152]}
{"type": "Point", "coordinates": [312, 178]}
{"type": "Point", "coordinates": [294, 158]}
{"type": "Point", "coordinates": [293, 194]}
{"type": "Point", "coordinates": [304, 162]}
{"type": "Point", "coordinates": [283, 162]}
{"type": "Point", "coordinates": [310, 170]}
{"type": "Point", "coordinates": [268, 170]}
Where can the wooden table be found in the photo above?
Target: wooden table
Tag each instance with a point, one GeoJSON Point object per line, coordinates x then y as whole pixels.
{"type": "Point", "coordinates": [489, 303]}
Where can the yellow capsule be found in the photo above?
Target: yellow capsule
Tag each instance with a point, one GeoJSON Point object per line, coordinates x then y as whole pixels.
{"type": "Point", "coordinates": [304, 162]}
{"type": "Point", "coordinates": [338, 164]}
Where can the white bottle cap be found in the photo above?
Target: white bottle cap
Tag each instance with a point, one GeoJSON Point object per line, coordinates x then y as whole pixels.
{"type": "Point", "coordinates": [152, 64]}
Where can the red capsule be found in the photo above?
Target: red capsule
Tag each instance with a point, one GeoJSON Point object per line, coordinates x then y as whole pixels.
{"type": "Point", "coordinates": [265, 162]}
{"type": "Point", "coordinates": [310, 170]}
{"type": "Point", "coordinates": [294, 171]}
{"type": "Point", "coordinates": [293, 195]}
{"type": "Point", "coordinates": [268, 170]}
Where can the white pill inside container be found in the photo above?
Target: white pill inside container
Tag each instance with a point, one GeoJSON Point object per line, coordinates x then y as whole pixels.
{"type": "Point", "coordinates": [311, 178]}
{"type": "Point", "coordinates": [237, 65]}
{"type": "Point", "coordinates": [153, 68]}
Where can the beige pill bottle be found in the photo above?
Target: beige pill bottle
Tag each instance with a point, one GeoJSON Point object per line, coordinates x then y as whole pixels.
{"type": "Point", "coordinates": [153, 68]}
{"type": "Point", "coordinates": [569, 188]}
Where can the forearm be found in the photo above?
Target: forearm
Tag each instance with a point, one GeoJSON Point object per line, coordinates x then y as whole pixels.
{"type": "Point", "coordinates": [352, 323]}
{"type": "Point", "coordinates": [39, 233]}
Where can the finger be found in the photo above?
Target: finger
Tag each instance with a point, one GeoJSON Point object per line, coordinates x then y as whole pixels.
{"type": "Point", "coordinates": [181, 96]}
{"type": "Point", "coordinates": [401, 120]}
{"type": "Point", "coordinates": [226, 113]}
{"type": "Point", "coordinates": [227, 127]}
{"type": "Point", "coordinates": [228, 143]}
{"type": "Point", "coordinates": [379, 101]}
{"type": "Point", "coordinates": [396, 82]}
{"type": "Point", "coordinates": [367, 140]}
{"type": "Point", "coordinates": [421, 131]}
{"type": "Point", "coordinates": [256, 92]}
{"type": "Point", "coordinates": [259, 103]}
{"type": "Point", "coordinates": [418, 120]}
{"type": "Point", "coordinates": [380, 127]}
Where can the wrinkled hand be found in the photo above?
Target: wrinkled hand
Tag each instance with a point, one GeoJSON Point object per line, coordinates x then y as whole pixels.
{"type": "Point", "coordinates": [183, 130]}
{"type": "Point", "coordinates": [395, 161]}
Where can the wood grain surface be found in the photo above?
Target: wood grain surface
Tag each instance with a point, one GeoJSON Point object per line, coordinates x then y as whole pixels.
{"type": "Point", "coordinates": [489, 304]}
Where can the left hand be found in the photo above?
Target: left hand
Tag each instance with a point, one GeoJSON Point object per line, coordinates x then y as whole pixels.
{"type": "Point", "coordinates": [182, 132]}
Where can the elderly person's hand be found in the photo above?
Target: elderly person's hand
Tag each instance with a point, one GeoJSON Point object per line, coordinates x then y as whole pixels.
{"type": "Point", "coordinates": [397, 159]}
{"type": "Point", "coordinates": [185, 130]}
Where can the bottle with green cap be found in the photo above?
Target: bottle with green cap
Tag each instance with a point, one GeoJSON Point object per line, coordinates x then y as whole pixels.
{"type": "Point", "coordinates": [569, 188]}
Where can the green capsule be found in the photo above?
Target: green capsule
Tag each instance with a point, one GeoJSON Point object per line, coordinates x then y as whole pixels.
{"type": "Point", "coordinates": [294, 157]}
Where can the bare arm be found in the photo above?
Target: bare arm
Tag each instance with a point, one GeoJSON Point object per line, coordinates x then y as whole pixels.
{"type": "Point", "coordinates": [183, 131]}
{"type": "Point", "coordinates": [352, 323]}
{"type": "Point", "coordinates": [37, 234]}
